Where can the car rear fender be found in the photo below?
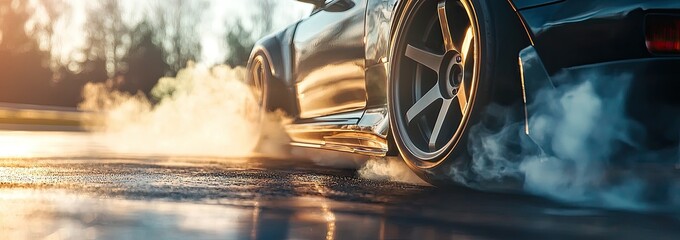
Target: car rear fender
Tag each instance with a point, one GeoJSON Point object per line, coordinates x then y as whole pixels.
{"type": "Point", "coordinates": [276, 48]}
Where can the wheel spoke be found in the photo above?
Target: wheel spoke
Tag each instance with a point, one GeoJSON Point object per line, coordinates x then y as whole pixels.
{"type": "Point", "coordinates": [439, 123]}
{"type": "Point", "coordinates": [444, 23]}
{"type": "Point", "coordinates": [467, 44]}
{"type": "Point", "coordinates": [423, 57]}
{"type": "Point", "coordinates": [419, 107]}
{"type": "Point", "coordinates": [462, 97]}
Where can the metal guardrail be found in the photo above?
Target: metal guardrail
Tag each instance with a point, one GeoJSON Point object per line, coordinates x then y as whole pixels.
{"type": "Point", "coordinates": [24, 114]}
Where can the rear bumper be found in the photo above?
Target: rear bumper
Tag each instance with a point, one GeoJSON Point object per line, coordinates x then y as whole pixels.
{"type": "Point", "coordinates": [577, 33]}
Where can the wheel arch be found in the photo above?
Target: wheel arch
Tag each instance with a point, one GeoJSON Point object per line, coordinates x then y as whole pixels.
{"type": "Point", "coordinates": [519, 27]}
{"type": "Point", "coordinates": [277, 50]}
{"type": "Point", "coordinates": [273, 47]}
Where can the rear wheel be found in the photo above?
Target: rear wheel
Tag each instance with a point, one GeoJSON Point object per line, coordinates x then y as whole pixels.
{"type": "Point", "coordinates": [259, 79]}
{"type": "Point", "coordinates": [447, 65]}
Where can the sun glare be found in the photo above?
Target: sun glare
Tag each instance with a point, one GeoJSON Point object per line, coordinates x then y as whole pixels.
{"type": "Point", "coordinates": [12, 145]}
{"type": "Point", "coordinates": [43, 144]}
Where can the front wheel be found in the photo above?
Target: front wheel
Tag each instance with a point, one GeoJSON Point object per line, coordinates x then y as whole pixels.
{"type": "Point", "coordinates": [447, 65]}
{"type": "Point", "coordinates": [259, 78]}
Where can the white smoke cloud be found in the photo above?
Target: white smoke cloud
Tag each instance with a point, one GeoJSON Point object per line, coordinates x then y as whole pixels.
{"type": "Point", "coordinates": [582, 128]}
{"type": "Point", "coordinates": [200, 112]}
{"type": "Point", "coordinates": [389, 169]}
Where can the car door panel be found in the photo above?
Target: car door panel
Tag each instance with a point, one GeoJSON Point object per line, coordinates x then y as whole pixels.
{"type": "Point", "coordinates": [330, 62]}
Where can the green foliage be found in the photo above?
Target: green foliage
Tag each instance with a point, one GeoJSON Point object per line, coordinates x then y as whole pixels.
{"type": "Point", "coordinates": [239, 41]}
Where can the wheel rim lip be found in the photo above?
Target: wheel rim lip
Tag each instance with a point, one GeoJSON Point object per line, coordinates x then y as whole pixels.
{"type": "Point", "coordinates": [426, 160]}
{"type": "Point", "coordinates": [257, 73]}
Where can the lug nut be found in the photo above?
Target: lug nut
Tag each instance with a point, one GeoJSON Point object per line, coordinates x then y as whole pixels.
{"type": "Point", "coordinates": [459, 59]}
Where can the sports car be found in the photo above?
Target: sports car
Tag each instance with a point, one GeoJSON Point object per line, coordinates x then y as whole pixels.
{"type": "Point", "coordinates": [410, 77]}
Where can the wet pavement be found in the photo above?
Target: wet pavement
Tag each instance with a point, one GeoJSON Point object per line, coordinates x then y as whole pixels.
{"type": "Point", "coordinates": [84, 194]}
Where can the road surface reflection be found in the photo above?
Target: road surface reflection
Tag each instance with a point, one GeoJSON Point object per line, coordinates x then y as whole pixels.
{"type": "Point", "coordinates": [34, 214]}
{"type": "Point", "coordinates": [18, 144]}
{"type": "Point", "coordinates": [67, 186]}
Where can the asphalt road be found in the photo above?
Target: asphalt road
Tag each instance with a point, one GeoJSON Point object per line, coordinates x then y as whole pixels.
{"type": "Point", "coordinates": [56, 186]}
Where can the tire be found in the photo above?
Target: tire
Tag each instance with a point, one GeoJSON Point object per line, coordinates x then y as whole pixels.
{"type": "Point", "coordinates": [260, 78]}
{"type": "Point", "coordinates": [435, 84]}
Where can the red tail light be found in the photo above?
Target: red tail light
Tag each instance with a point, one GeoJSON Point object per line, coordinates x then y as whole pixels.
{"type": "Point", "coordinates": [663, 34]}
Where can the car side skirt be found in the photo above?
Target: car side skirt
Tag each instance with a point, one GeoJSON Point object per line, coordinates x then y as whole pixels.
{"type": "Point", "coordinates": [363, 132]}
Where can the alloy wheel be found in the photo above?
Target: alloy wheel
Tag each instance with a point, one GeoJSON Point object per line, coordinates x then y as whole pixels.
{"type": "Point", "coordinates": [436, 79]}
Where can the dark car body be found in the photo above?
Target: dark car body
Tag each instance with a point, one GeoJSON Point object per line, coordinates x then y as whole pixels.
{"type": "Point", "coordinates": [331, 68]}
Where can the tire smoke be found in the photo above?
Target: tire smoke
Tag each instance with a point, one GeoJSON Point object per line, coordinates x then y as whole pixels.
{"type": "Point", "coordinates": [200, 112]}
{"type": "Point", "coordinates": [584, 148]}
{"type": "Point", "coordinates": [389, 169]}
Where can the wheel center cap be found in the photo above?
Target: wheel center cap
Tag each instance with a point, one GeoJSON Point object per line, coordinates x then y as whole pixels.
{"type": "Point", "coordinates": [451, 74]}
{"type": "Point", "coordinates": [455, 75]}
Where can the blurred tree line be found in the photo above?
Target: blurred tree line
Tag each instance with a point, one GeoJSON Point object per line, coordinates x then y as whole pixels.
{"type": "Point", "coordinates": [240, 39]}
{"type": "Point", "coordinates": [129, 57]}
